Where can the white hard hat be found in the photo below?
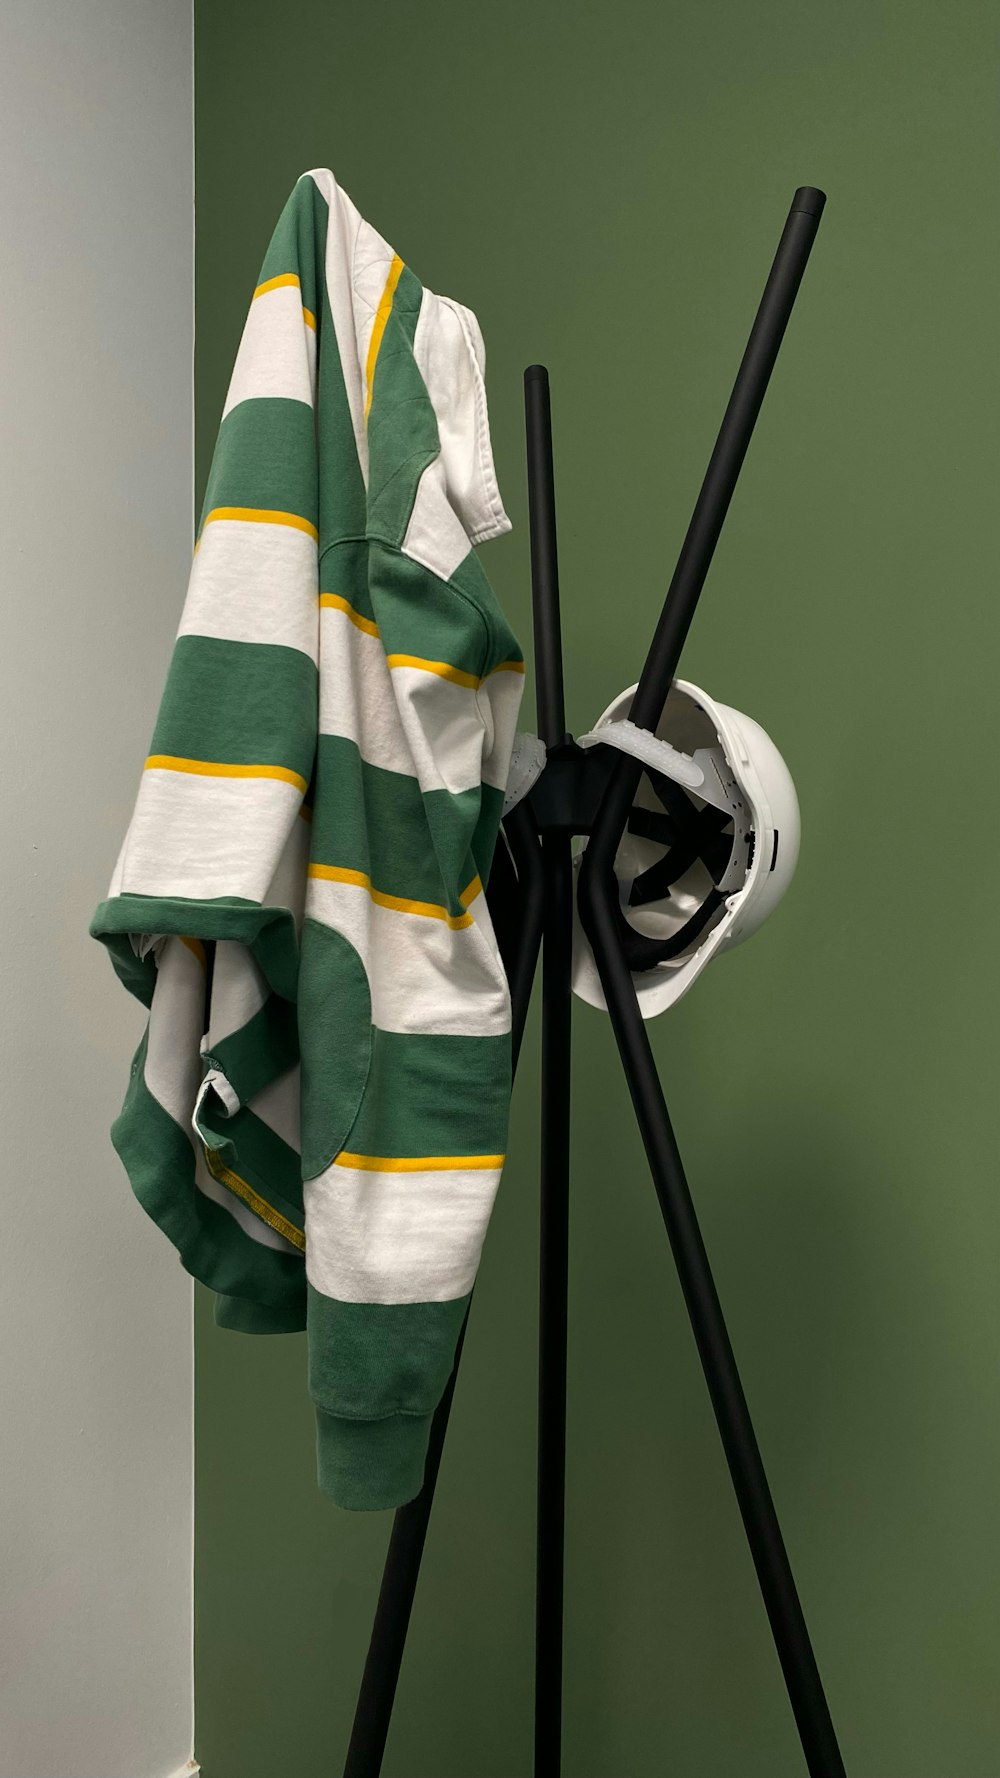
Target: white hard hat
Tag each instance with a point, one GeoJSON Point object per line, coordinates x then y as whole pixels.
{"type": "Point", "coordinates": [711, 842]}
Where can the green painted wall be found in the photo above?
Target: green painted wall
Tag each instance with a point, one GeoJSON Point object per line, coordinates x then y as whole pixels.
{"type": "Point", "coordinates": [605, 186]}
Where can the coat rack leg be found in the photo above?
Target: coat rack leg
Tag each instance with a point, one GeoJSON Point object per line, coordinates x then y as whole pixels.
{"type": "Point", "coordinates": [788, 1626]}
{"type": "Point", "coordinates": [597, 896]}
{"type": "Point", "coordinates": [557, 954]}
{"type": "Point", "coordinates": [553, 1290]}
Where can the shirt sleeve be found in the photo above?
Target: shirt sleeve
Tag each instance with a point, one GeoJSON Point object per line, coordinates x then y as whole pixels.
{"type": "Point", "coordinates": [209, 883]}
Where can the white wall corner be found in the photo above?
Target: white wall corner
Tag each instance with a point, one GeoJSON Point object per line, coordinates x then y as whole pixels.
{"type": "Point", "coordinates": [96, 1498]}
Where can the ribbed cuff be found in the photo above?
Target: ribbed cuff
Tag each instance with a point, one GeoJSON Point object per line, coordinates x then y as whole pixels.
{"type": "Point", "coordinates": [243, 1316]}
{"type": "Point", "coordinates": [371, 1465]}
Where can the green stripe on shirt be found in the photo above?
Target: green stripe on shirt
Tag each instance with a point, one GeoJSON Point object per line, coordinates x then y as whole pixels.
{"type": "Point", "coordinates": [265, 460]}
{"type": "Point", "coordinates": [240, 703]}
{"type": "Point", "coordinates": [298, 242]}
{"type": "Point", "coordinates": [402, 425]}
{"type": "Point", "coordinates": [410, 843]}
{"type": "Point", "coordinates": [429, 1094]}
{"type": "Point", "coordinates": [160, 1161]}
{"type": "Point", "coordinates": [342, 499]}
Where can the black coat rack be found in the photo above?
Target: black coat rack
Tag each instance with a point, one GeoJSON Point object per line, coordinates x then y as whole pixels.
{"type": "Point", "coordinates": [590, 791]}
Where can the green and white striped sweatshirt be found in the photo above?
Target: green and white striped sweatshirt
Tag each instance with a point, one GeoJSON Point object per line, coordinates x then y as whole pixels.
{"type": "Point", "coordinates": [317, 1111]}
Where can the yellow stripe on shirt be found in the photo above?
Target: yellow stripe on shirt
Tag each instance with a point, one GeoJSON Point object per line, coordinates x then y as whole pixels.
{"type": "Point", "coordinates": [400, 904]}
{"type": "Point", "coordinates": [432, 1163]}
{"type": "Point", "coordinates": [443, 669]}
{"type": "Point", "coordinates": [217, 768]}
{"type": "Point", "coordinates": [257, 1204]}
{"type": "Point", "coordinates": [282, 279]}
{"type": "Point", "coordinates": [263, 515]}
{"type": "Point", "coordinates": [335, 602]}
{"type": "Point", "coordinates": [378, 326]}
{"type": "Point", "coordinates": [457, 675]}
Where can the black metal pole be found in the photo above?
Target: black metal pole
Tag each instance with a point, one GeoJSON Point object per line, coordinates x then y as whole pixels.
{"type": "Point", "coordinates": [597, 897]}
{"type": "Point", "coordinates": [711, 507]}
{"type": "Point", "coordinates": [726, 461]}
{"type": "Point", "coordinates": [555, 1086]}
{"type": "Point", "coordinates": [553, 1293]}
{"type": "Point", "coordinates": [549, 704]}
{"type": "Point", "coordinates": [788, 1626]}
